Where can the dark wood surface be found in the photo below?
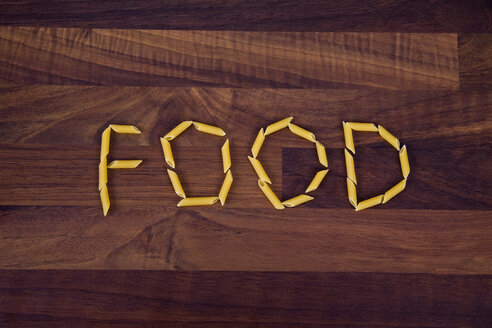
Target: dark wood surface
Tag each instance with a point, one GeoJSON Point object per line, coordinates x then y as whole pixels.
{"type": "Point", "coordinates": [68, 68]}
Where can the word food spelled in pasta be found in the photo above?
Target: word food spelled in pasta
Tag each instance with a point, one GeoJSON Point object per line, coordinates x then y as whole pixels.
{"type": "Point", "coordinates": [263, 179]}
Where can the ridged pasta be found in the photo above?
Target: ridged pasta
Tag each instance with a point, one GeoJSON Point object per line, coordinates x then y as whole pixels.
{"type": "Point", "coordinates": [320, 150]}
{"type": "Point", "coordinates": [176, 183]}
{"type": "Point", "coordinates": [369, 203]}
{"type": "Point", "coordinates": [349, 163]}
{"type": "Point", "coordinates": [180, 128]}
{"type": "Point", "coordinates": [226, 156]}
{"type": "Point", "coordinates": [265, 188]}
{"type": "Point", "coordinates": [226, 185]}
{"type": "Point", "coordinates": [260, 171]}
{"type": "Point", "coordinates": [398, 188]}
{"type": "Point", "coordinates": [349, 138]}
{"type": "Point", "coordinates": [303, 133]}
{"type": "Point", "coordinates": [106, 135]}
{"type": "Point", "coordinates": [124, 164]}
{"type": "Point", "coordinates": [298, 200]}
{"type": "Point", "coordinates": [198, 201]}
{"type": "Point", "coordinates": [210, 129]}
{"type": "Point", "coordinates": [367, 127]}
{"type": "Point", "coordinates": [391, 139]}
{"type": "Point", "coordinates": [168, 153]}
{"type": "Point", "coordinates": [405, 166]}
{"type": "Point", "coordinates": [118, 128]}
{"type": "Point", "coordinates": [103, 173]}
{"type": "Point", "coordinates": [352, 193]}
{"type": "Point", "coordinates": [274, 127]}
{"type": "Point", "coordinates": [318, 178]}
{"type": "Point", "coordinates": [104, 194]}
{"type": "Point", "coordinates": [258, 143]}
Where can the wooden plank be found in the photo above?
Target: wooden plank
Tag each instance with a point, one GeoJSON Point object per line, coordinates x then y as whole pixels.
{"type": "Point", "coordinates": [475, 53]}
{"type": "Point", "coordinates": [290, 15]}
{"type": "Point", "coordinates": [394, 61]}
{"type": "Point", "coordinates": [211, 299]}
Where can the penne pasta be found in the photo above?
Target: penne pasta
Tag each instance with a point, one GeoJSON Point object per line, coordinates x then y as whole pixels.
{"type": "Point", "coordinates": [180, 128]}
{"type": "Point", "coordinates": [368, 127]}
{"type": "Point", "coordinates": [202, 127]}
{"type": "Point", "coordinates": [302, 132]}
{"type": "Point", "coordinates": [258, 143]}
{"type": "Point", "coordinates": [352, 193]}
{"type": "Point", "coordinates": [198, 201]}
{"type": "Point", "coordinates": [105, 143]}
{"type": "Point", "coordinates": [320, 150]}
{"type": "Point", "coordinates": [105, 199]}
{"type": "Point", "coordinates": [226, 156]}
{"type": "Point", "coordinates": [176, 183]}
{"type": "Point", "coordinates": [118, 128]}
{"type": "Point", "coordinates": [349, 163]}
{"type": "Point", "coordinates": [297, 200]}
{"type": "Point", "coordinates": [274, 127]}
{"type": "Point", "coordinates": [270, 195]}
{"type": "Point", "coordinates": [226, 185]}
{"type": "Point", "coordinates": [103, 173]}
{"type": "Point", "coordinates": [391, 139]}
{"type": "Point", "coordinates": [349, 138]}
{"type": "Point", "coordinates": [369, 203]}
{"type": "Point", "coordinates": [398, 188]}
{"type": "Point", "coordinates": [405, 166]}
{"type": "Point", "coordinates": [168, 154]}
{"type": "Point", "coordinates": [318, 178]}
{"type": "Point", "coordinates": [124, 164]}
{"type": "Point", "coordinates": [262, 175]}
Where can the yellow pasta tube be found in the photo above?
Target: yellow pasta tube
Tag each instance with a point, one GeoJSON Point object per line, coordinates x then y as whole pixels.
{"type": "Point", "coordinates": [260, 171]}
{"type": "Point", "coordinates": [349, 138]}
{"type": "Point", "coordinates": [368, 127]}
{"type": "Point", "coordinates": [198, 201]}
{"type": "Point", "coordinates": [202, 127]}
{"type": "Point", "coordinates": [226, 156]}
{"type": "Point", "coordinates": [124, 164]}
{"type": "Point", "coordinates": [391, 139]}
{"type": "Point", "coordinates": [320, 150]}
{"type": "Point", "coordinates": [168, 154]}
{"type": "Point", "coordinates": [258, 143]}
{"type": "Point", "coordinates": [176, 183]}
{"type": "Point", "coordinates": [369, 203]}
{"type": "Point", "coordinates": [105, 142]}
{"type": "Point", "coordinates": [274, 127]}
{"type": "Point", "coordinates": [405, 166]}
{"type": "Point", "coordinates": [398, 188]}
{"type": "Point", "coordinates": [316, 180]}
{"type": "Point", "coordinates": [352, 193]}
{"type": "Point", "coordinates": [270, 195]}
{"type": "Point", "coordinates": [349, 163]}
{"type": "Point", "coordinates": [105, 199]}
{"type": "Point", "coordinates": [297, 200]}
{"type": "Point", "coordinates": [302, 132]}
{"type": "Point", "coordinates": [180, 128]}
{"type": "Point", "coordinates": [118, 128]}
{"type": "Point", "coordinates": [103, 173]}
{"type": "Point", "coordinates": [226, 185]}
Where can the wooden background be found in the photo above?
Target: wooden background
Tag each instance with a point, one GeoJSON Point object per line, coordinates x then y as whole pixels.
{"type": "Point", "coordinates": [422, 69]}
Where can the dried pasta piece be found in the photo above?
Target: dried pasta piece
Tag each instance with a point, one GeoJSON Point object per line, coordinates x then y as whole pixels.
{"type": "Point", "coordinates": [405, 166]}
{"type": "Point", "coordinates": [103, 173]}
{"type": "Point", "coordinates": [180, 128]}
{"type": "Point", "coordinates": [106, 135]}
{"type": "Point", "coordinates": [226, 156]}
{"type": "Point", "coordinates": [105, 199]}
{"type": "Point", "coordinates": [168, 153]}
{"type": "Point", "coordinates": [274, 127]}
{"type": "Point", "coordinates": [320, 150]}
{"type": "Point", "coordinates": [270, 195]}
{"type": "Point", "coordinates": [367, 127]}
{"type": "Point", "coordinates": [124, 164]}
{"type": "Point", "coordinates": [198, 201]}
{"type": "Point", "coordinates": [202, 127]}
{"type": "Point", "coordinates": [398, 188]}
{"type": "Point", "coordinates": [226, 185]}
{"type": "Point", "coordinates": [369, 203]}
{"type": "Point", "coordinates": [318, 178]}
{"type": "Point", "coordinates": [391, 139]}
{"type": "Point", "coordinates": [176, 183]}
{"type": "Point", "coordinates": [352, 192]}
{"type": "Point", "coordinates": [297, 200]}
{"type": "Point", "coordinates": [260, 171]}
{"type": "Point", "coordinates": [118, 128]}
{"type": "Point", "coordinates": [349, 163]}
{"type": "Point", "coordinates": [258, 143]}
{"type": "Point", "coordinates": [302, 132]}
{"type": "Point", "coordinates": [349, 138]}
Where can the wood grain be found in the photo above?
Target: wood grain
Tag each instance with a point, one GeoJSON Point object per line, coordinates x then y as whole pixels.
{"type": "Point", "coordinates": [394, 61]}
{"type": "Point", "coordinates": [475, 64]}
{"type": "Point", "coordinates": [270, 15]}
